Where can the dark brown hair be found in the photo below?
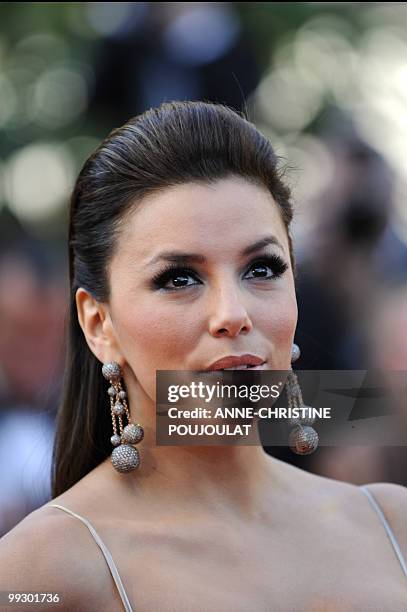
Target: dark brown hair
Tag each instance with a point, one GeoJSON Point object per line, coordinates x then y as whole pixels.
{"type": "Point", "coordinates": [176, 143]}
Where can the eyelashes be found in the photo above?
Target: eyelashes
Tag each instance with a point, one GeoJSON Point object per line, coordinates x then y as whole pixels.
{"type": "Point", "coordinates": [172, 271]}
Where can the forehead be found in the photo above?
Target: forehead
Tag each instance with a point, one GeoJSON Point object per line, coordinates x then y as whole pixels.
{"type": "Point", "coordinates": [213, 218]}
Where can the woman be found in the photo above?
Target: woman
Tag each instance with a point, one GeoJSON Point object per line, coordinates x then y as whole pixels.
{"type": "Point", "coordinates": [202, 528]}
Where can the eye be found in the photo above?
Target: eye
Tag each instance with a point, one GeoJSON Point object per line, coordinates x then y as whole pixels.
{"type": "Point", "coordinates": [274, 262]}
{"type": "Point", "coordinates": [173, 273]}
{"type": "Point", "coordinates": [179, 276]}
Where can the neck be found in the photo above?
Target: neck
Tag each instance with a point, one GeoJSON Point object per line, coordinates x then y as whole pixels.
{"type": "Point", "coordinates": [222, 480]}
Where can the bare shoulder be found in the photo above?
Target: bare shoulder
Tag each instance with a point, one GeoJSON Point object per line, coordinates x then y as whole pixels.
{"type": "Point", "coordinates": [350, 503]}
{"type": "Point", "coordinates": [347, 500]}
{"type": "Point", "coordinates": [393, 496]}
{"type": "Point", "coordinates": [47, 553]}
{"type": "Point", "coordinates": [392, 499]}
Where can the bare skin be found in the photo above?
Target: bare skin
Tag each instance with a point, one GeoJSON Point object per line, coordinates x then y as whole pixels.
{"type": "Point", "coordinates": [214, 528]}
{"type": "Point", "coordinates": [313, 544]}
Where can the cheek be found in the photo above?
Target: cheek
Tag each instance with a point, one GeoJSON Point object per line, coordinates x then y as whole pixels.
{"type": "Point", "coordinates": [277, 324]}
{"type": "Point", "coordinates": [155, 338]}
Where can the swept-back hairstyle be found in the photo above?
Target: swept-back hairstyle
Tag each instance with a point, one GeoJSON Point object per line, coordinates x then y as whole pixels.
{"type": "Point", "coordinates": [176, 143]}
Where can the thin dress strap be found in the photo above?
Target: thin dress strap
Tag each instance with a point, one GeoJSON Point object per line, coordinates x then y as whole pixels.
{"type": "Point", "coordinates": [387, 527]}
{"type": "Point", "coordinates": [107, 555]}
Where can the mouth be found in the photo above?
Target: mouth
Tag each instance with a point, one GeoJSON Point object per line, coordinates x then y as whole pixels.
{"type": "Point", "coordinates": [261, 366]}
{"type": "Point", "coordinates": [236, 362]}
{"type": "Point", "coordinates": [244, 367]}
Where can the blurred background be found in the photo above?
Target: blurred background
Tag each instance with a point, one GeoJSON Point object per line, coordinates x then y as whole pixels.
{"type": "Point", "coordinates": [325, 81]}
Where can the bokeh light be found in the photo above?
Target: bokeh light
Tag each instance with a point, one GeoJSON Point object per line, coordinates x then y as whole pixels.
{"type": "Point", "coordinates": [59, 97]}
{"type": "Point", "coordinates": [37, 180]}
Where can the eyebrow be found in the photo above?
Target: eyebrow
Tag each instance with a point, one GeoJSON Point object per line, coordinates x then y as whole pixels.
{"type": "Point", "coordinates": [182, 258]}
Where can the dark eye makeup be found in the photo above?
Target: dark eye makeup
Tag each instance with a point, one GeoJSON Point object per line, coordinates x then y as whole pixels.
{"type": "Point", "coordinates": [174, 271]}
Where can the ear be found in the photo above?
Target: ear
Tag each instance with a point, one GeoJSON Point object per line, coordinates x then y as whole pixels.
{"type": "Point", "coordinates": [94, 319]}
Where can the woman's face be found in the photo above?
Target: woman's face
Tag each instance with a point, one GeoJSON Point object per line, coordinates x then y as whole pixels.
{"type": "Point", "coordinates": [225, 303]}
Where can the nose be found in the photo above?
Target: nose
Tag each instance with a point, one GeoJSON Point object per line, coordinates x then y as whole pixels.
{"type": "Point", "coordinates": [229, 315]}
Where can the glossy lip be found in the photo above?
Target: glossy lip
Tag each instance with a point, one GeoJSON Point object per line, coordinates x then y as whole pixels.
{"type": "Point", "coordinates": [232, 361]}
{"type": "Point", "coordinates": [262, 366]}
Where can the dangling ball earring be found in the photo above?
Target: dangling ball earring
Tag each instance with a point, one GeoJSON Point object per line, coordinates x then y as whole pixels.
{"type": "Point", "coordinates": [125, 458]}
{"type": "Point", "coordinates": [303, 439]}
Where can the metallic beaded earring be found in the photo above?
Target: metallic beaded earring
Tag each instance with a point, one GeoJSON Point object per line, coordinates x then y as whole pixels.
{"type": "Point", "coordinates": [125, 458]}
{"type": "Point", "coordinates": [303, 439]}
